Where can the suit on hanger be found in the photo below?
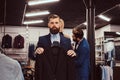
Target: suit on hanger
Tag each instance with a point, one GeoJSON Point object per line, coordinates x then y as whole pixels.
{"type": "Point", "coordinates": [18, 42]}
{"type": "Point", "coordinates": [6, 41]}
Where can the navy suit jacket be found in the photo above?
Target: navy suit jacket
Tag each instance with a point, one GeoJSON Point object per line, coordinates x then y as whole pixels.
{"type": "Point", "coordinates": [82, 60]}
{"type": "Point", "coordinates": [62, 70]}
{"type": "Point", "coordinates": [45, 42]}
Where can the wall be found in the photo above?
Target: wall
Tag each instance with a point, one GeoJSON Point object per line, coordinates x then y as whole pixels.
{"type": "Point", "coordinates": [30, 33]}
{"type": "Point", "coordinates": [115, 28]}
{"type": "Point", "coordinates": [100, 32]}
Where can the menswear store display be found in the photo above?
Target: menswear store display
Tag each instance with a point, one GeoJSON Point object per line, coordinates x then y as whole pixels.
{"type": "Point", "coordinates": [7, 41]}
{"type": "Point", "coordinates": [14, 47]}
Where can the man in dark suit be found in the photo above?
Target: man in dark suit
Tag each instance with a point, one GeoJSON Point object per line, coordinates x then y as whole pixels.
{"type": "Point", "coordinates": [45, 42]}
{"type": "Point", "coordinates": [82, 50]}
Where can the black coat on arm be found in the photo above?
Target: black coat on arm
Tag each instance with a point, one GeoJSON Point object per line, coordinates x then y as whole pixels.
{"type": "Point", "coordinates": [54, 64]}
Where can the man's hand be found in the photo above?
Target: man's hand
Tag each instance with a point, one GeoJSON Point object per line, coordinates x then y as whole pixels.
{"type": "Point", "coordinates": [71, 53]}
{"type": "Point", "coordinates": [39, 50]}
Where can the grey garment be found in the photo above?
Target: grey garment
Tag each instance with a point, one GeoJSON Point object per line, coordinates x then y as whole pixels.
{"type": "Point", "coordinates": [10, 69]}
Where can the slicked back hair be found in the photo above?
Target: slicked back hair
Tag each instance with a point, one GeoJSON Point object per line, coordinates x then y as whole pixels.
{"type": "Point", "coordinates": [53, 16]}
{"type": "Point", "coordinates": [78, 32]}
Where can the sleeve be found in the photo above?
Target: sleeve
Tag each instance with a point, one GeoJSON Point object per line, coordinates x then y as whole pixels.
{"type": "Point", "coordinates": [71, 68]}
{"type": "Point", "coordinates": [40, 42]}
{"type": "Point", "coordinates": [38, 67]}
{"type": "Point", "coordinates": [81, 56]}
{"type": "Point", "coordinates": [18, 72]}
{"type": "Point", "coordinates": [68, 45]}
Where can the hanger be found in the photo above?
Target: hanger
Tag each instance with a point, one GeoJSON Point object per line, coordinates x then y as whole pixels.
{"type": "Point", "coordinates": [1, 50]}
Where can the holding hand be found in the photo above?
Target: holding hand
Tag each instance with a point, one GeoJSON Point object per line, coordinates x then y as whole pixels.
{"type": "Point", "coordinates": [71, 53]}
{"type": "Point", "coordinates": [39, 50]}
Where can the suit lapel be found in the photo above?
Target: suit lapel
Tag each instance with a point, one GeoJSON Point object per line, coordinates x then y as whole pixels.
{"type": "Point", "coordinates": [62, 41]}
{"type": "Point", "coordinates": [49, 40]}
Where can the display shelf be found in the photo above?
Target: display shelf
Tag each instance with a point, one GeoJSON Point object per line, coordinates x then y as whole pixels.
{"type": "Point", "coordinates": [99, 49]}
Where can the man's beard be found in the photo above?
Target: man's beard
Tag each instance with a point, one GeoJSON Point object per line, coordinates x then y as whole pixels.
{"type": "Point", "coordinates": [54, 30]}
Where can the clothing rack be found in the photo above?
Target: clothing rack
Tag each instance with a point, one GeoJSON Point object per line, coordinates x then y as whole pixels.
{"type": "Point", "coordinates": [104, 72]}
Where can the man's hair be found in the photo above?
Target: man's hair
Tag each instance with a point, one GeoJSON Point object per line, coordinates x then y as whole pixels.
{"type": "Point", "coordinates": [78, 32]}
{"type": "Point", "coordinates": [53, 16]}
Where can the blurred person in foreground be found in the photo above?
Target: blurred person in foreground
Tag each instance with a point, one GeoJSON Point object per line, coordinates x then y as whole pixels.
{"type": "Point", "coordinates": [10, 69]}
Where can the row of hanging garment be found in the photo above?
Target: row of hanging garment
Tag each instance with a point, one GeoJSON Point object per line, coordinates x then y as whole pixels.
{"type": "Point", "coordinates": [104, 72]}
{"type": "Point", "coordinates": [107, 73]}
{"type": "Point", "coordinates": [109, 50]}
{"type": "Point", "coordinates": [17, 43]}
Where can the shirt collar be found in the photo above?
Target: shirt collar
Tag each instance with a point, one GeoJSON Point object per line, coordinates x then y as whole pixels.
{"type": "Point", "coordinates": [54, 34]}
{"type": "Point", "coordinates": [80, 41]}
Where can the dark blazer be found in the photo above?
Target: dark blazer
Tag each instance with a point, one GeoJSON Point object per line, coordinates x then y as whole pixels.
{"type": "Point", "coordinates": [63, 71]}
{"type": "Point", "coordinates": [54, 64]}
{"type": "Point", "coordinates": [83, 60]}
{"type": "Point", "coordinates": [18, 42]}
{"type": "Point", "coordinates": [45, 42]}
{"type": "Point", "coordinates": [31, 50]}
{"type": "Point", "coordinates": [6, 41]}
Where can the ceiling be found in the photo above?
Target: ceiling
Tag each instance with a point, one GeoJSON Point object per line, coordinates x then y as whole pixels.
{"type": "Point", "coordinates": [73, 12]}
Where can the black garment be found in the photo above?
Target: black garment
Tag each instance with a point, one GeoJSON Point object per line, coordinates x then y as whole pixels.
{"type": "Point", "coordinates": [98, 71]}
{"type": "Point", "coordinates": [6, 41]}
{"type": "Point", "coordinates": [31, 50]}
{"type": "Point", "coordinates": [54, 64]}
{"type": "Point", "coordinates": [18, 42]}
{"type": "Point", "coordinates": [61, 33]}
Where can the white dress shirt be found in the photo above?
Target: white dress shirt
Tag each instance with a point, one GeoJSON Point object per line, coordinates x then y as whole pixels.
{"type": "Point", "coordinates": [55, 37]}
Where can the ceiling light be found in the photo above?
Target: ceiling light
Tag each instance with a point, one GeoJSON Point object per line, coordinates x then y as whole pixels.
{"type": "Point", "coordinates": [118, 33]}
{"type": "Point", "coordinates": [104, 17]}
{"type": "Point", "coordinates": [85, 23]}
{"type": "Point", "coordinates": [33, 22]}
{"type": "Point", "coordinates": [41, 2]}
{"type": "Point", "coordinates": [37, 13]}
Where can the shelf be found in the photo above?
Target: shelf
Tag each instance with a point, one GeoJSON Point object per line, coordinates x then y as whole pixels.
{"type": "Point", "coordinates": [99, 50]}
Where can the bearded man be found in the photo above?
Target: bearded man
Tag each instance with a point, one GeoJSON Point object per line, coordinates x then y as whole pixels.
{"type": "Point", "coordinates": [43, 46]}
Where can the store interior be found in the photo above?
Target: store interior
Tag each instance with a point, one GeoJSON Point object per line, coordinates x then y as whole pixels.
{"type": "Point", "coordinates": [105, 33]}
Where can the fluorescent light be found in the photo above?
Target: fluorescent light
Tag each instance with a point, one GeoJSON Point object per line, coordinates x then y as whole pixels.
{"type": "Point", "coordinates": [33, 22]}
{"type": "Point", "coordinates": [118, 33]}
{"type": "Point", "coordinates": [104, 17]}
{"type": "Point", "coordinates": [41, 2]}
{"type": "Point", "coordinates": [37, 13]}
{"type": "Point", "coordinates": [85, 23]}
